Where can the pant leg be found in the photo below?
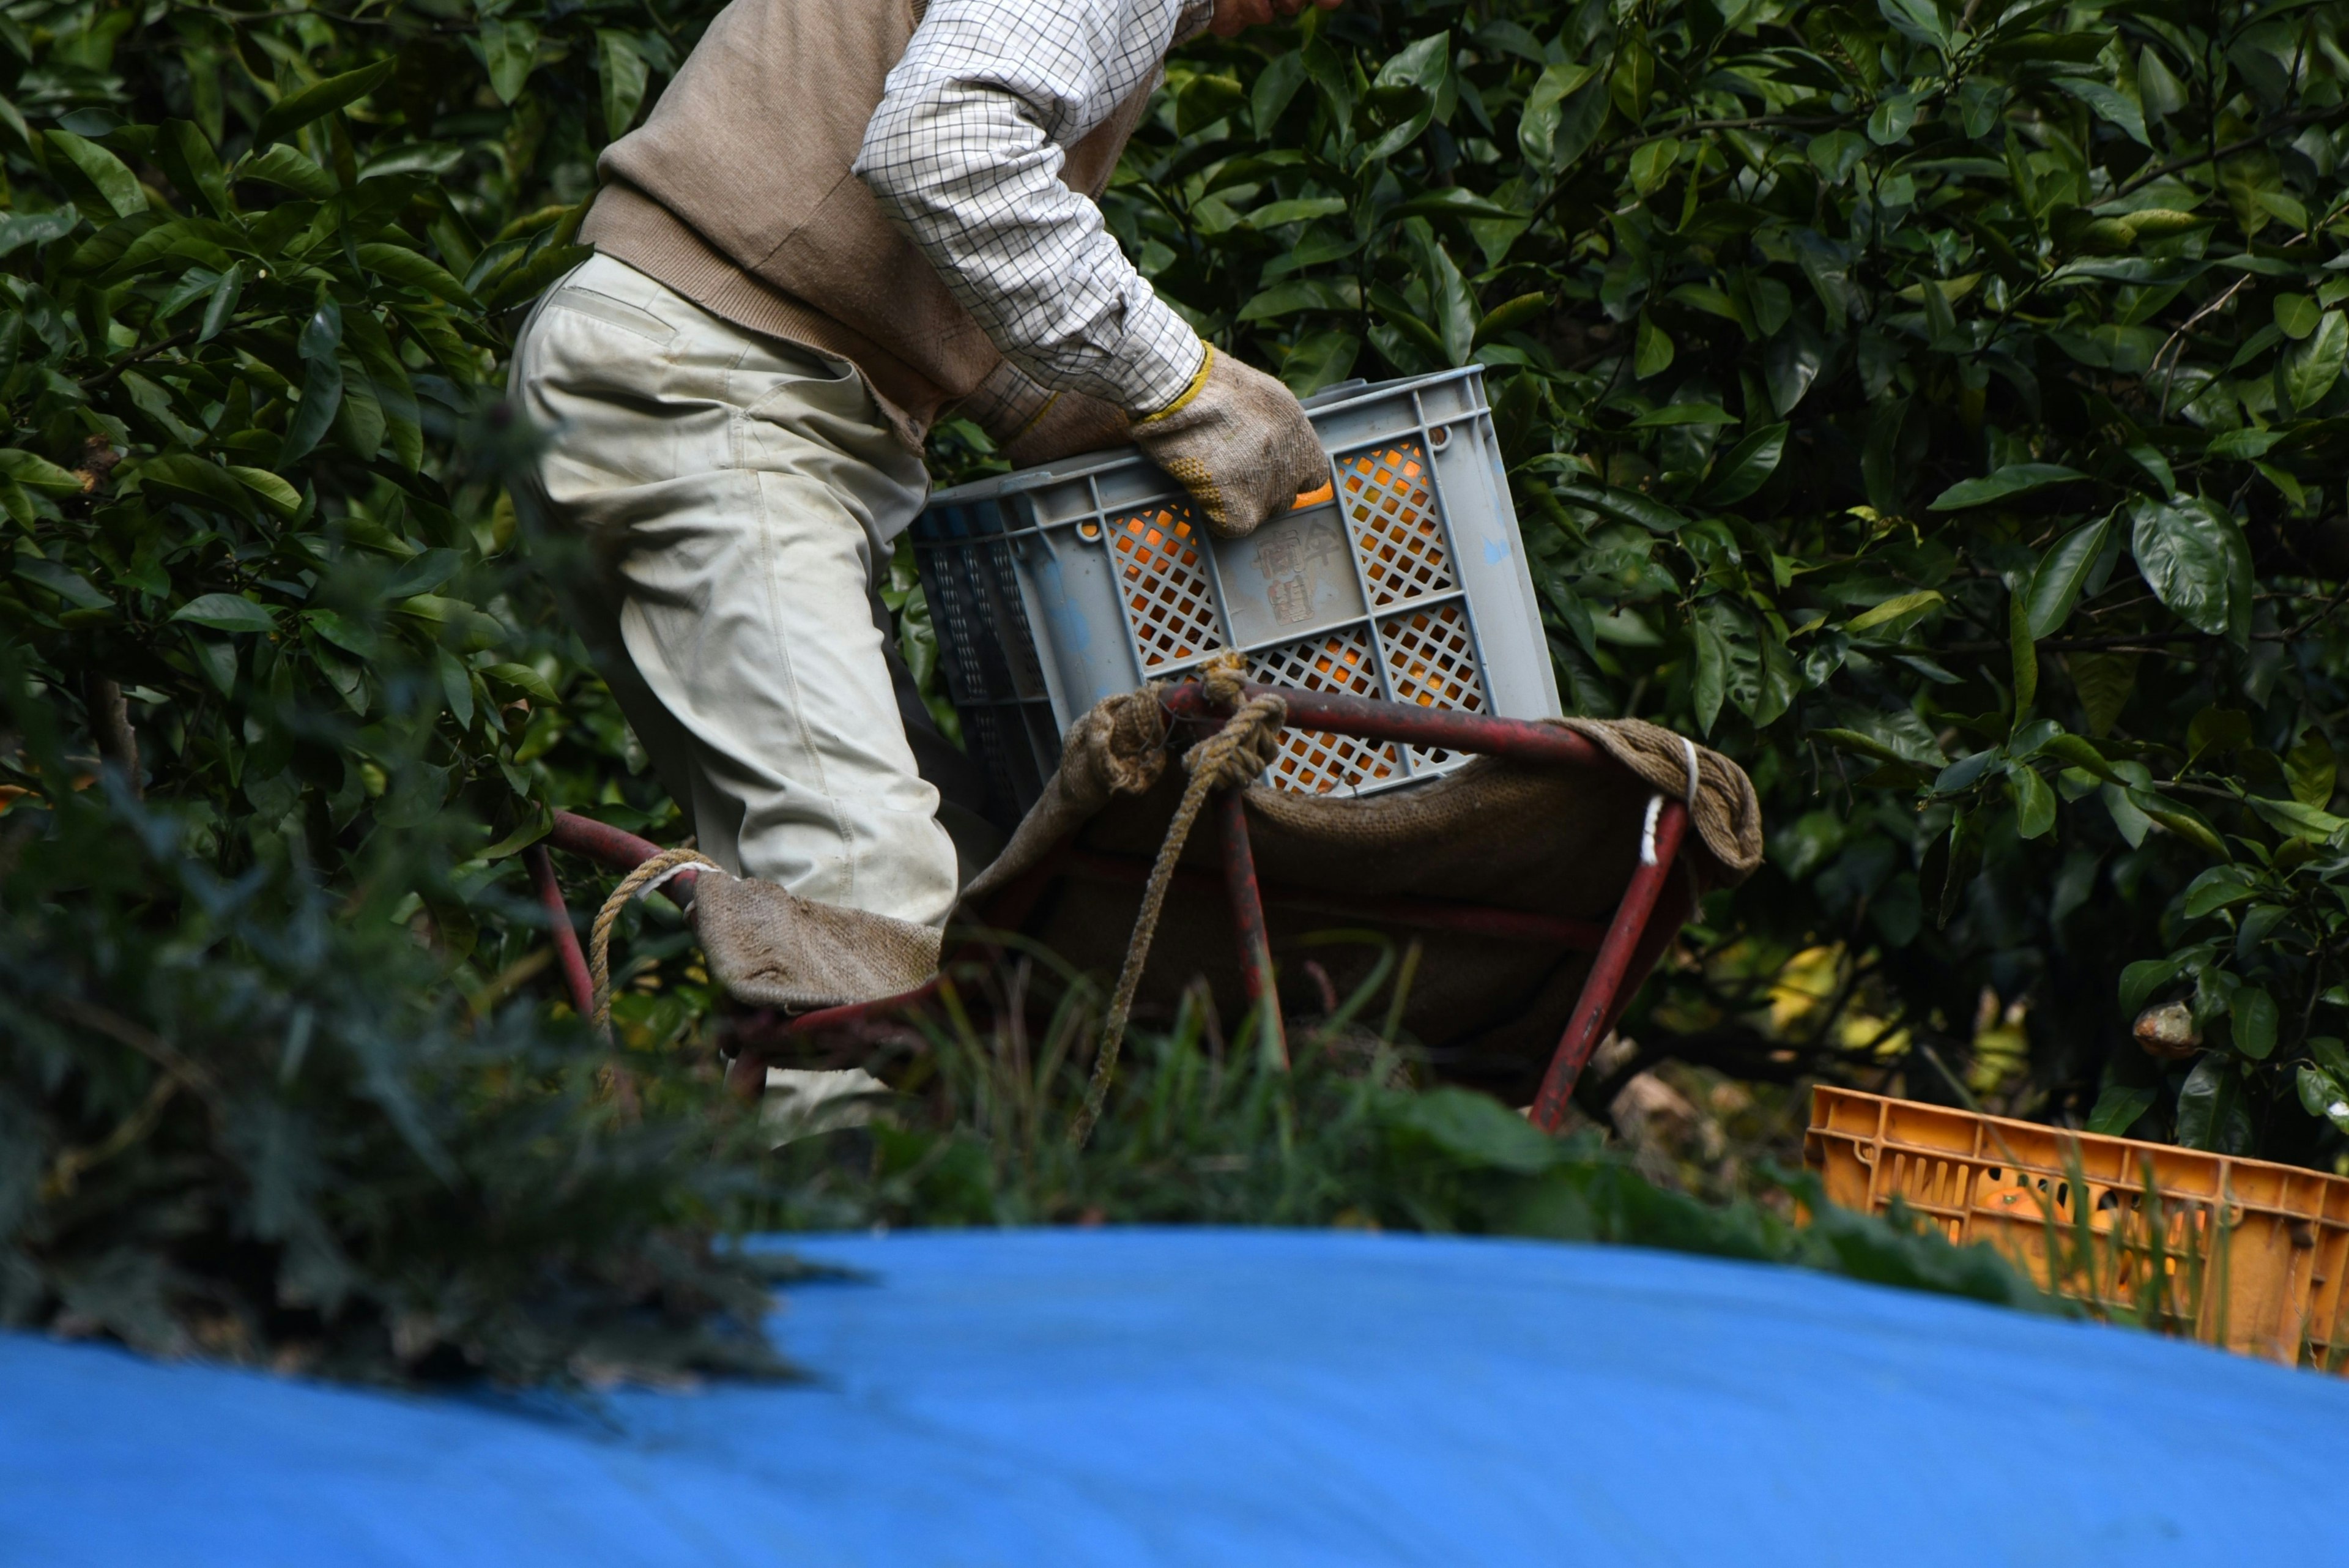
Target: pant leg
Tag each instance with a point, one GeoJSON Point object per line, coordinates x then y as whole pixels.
{"type": "Point", "coordinates": [736, 493]}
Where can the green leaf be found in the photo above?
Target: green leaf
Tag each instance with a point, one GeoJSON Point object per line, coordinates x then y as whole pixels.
{"type": "Point", "coordinates": [2184, 549]}
{"type": "Point", "coordinates": [2062, 574]}
{"type": "Point", "coordinates": [1867, 745]}
{"type": "Point", "coordinates": [292, 112]}
{"type": "Point", "coordinates": [2330, 1054]}
{"type": "Point", "coordinates": [2310, 367]}
{"type": "Point", "coordinates": [2034, 802]}
{"type": "Point", "coordinates": [2182, 820]}
{"type": "Point", "coordinates": [2244, 445]}
{"type": "Point", "coordinates": [2211, 1113]}
{"type": "Point", "coordinates": [2310, 769]}
{"type": "Point", "coordinates": [1623, 506]}
{"type": "Point", "coordinates": [2112, 106]}
{"type": "Point", "coordinates": [1893, 609]}
{"type": "Point", "coordinates": [2022, 654]}
{"type": "Point", "coordinates": [1652, 164]}
{"type": "Point", "coordinates": [2073, 751]}
{"type": "Point", "coordinates": [1302, 209]}
{"type": "Point", "coordinates": [1545, 113]}
{"type": "Point", "coordinates": [2118, 1108]}
{"type": "Point", "coordinates": [38, 473]}
{"type": "Point", "coordinates": [116, 186]}
{"type": "Point", "coordinates": [1451, 201]}
{"type": "Point", "coordinates": [1303, 294]}
{"type": "Point", "coordinates": [288, 169]}
{"type": "Point", "coordinates": [195, 169]}
{"type": "Point", "coordinates": [18, 229]}
{"type": "Point", "coordinates": [2141, 980]}
{"type": "Point", "coordinates": [225, 612]}
{"type": "Point", "coordinates": [1320, 360]}
{"type": "Point", "coordinates": [2253, 1013]}
{"type": "Point", "coordinates": [2014, 479]}
{"type": "Point", "coordinates": [522, 678]}
{"type": "Point", "coordinates": [1710, 680]}
{"type": "Point", "coordinates": [1684, 414]}
{"type": "Point", "coordinates": [1652, 355]}
{"type": "Point", "coordinates": [621, 66]}
{"type": "Point", "coordinates": [1748, 465]}
{"type": "Point", "coordinates": [2322, 1094]}
{"type": "Point", "coordinates": [1510, 315]}
{"type": "Point", "coordinates": [2296, 315]}
{"type": "Point", "coordinates": [221, 307]}
{"type": "Point", "coordinates": [322, 383]}
{"type": "Point", "coordinates": [530, 279]}
{"type": "Point", "coordinates": [200, 482]}
{"type": "Point", "coordinates": [2296, 819]}
{"type": "Point", "coordinates": [401, 265]}
{"type": "Point", "coordinates": [275, 493]}
{"type": "Point", "coordinates": [2220, 887]}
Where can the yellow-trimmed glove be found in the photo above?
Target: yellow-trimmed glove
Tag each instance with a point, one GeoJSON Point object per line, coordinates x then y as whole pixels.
{"type": "Point", "coordinates": [1239, 441]}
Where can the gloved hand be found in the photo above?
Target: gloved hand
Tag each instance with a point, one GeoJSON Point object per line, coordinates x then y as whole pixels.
{"type": "Point", "coordinates": [1239, 441]}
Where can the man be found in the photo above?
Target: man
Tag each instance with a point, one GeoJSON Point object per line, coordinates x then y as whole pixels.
{"type": "Point", "coordinates": [843, 218]}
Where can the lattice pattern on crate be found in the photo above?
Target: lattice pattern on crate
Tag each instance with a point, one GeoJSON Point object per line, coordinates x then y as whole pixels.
{"type": "Point", "coordinates": [1390, 499]}
{"type": "Point", "coordinates": [1312, 761]}
{"type": "Point", "coordinates": [1164, 579]}
{"type": "Point", "coordinates": [1431, 661]}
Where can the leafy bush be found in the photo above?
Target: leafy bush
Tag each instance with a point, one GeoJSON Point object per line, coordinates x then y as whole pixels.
{"type": "Point", "coordinates": [250, 1116]}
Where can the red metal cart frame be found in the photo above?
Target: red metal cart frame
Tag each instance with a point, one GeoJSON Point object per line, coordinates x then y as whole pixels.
{"type": "Point", "coordinates": [1626, 947]}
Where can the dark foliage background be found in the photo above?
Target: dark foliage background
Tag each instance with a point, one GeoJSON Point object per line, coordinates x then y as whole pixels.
{"type": "Point", "coordinates": [1939, 408]}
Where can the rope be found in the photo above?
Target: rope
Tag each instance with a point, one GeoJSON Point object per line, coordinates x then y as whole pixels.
{"type": "Point", "coordinates": [647, 877]}
{"type": "Point", "coordinates": [1656, 804]}
{"type": "Point", "coordinates": [1229, 758]}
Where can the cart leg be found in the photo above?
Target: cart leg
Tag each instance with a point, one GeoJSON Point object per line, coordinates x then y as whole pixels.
{"type": "Point", "coordinates": [567, 938]}
{"type": "Point", "coordinates": [1247, 922]}
{"type": "Point", "coordinates": [1607, 971]}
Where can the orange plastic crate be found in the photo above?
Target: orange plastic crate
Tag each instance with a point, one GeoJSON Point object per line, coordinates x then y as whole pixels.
{"type": "Point", "coordinates": [2272, 1288]}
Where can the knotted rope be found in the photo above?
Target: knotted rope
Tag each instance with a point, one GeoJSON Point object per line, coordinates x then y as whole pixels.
{"type": "Point", "coordinates": [647, 877]}
{"type": "Point", "coordinates": [1229, 758]}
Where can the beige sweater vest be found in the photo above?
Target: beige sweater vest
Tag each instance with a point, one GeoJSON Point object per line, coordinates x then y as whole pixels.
{"type": "Point", "coordinates": [736, 193]}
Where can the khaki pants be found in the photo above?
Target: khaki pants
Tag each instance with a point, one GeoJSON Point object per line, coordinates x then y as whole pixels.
{"type": "Point", "coordinates": [736, 493]}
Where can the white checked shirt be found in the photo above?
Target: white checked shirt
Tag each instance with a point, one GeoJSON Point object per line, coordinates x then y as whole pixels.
{"type": "Point", "coordinates": [965, 154]}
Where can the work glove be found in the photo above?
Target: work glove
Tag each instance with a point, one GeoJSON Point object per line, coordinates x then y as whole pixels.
{"type": "Point", "coordinates": [1239, 441]}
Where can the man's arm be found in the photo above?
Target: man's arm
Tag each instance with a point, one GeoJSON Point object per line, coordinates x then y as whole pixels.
{"type": "Point", "coordinates": [965, 154]}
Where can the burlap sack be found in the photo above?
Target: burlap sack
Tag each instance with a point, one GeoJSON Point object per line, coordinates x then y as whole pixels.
{"type": "Point", "coordinates": [770, 948]}
{"type": "Point", "coordinates": [1560, 841]}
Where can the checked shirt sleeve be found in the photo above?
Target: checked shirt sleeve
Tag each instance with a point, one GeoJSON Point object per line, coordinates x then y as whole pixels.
{"type": "Point", "coordinates": [965, 155]}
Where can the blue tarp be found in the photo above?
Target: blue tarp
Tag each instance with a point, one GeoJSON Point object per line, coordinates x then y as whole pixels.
{"type": "Point", "coordinates": [1234, 1398]}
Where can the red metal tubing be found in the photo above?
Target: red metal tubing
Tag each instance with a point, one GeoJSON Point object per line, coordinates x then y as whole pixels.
{"type": "Point", "coordinates": [1425, 914]}
{"type": "Point", "coordinates": [613, 849]}
{"type": "Point", "coordinates": [1247, 919]}
{"type": "Point", "coordinates": [575, 977]}
{"type": "Point", "coordinates": [1597, 1003]}
{"type": "Point", "coordinates": [1440, 728]}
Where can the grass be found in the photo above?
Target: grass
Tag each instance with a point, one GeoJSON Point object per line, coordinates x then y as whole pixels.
{"type": "Point", "coordinates": [1204, 1127]}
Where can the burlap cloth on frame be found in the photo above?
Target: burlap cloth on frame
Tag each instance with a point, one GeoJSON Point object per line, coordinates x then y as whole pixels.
{"type": "Point", "coordinates": [1560, 841]}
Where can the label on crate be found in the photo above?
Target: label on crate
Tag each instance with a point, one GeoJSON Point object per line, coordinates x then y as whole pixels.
{"type": "Point", "coordinates": [1295, 575]}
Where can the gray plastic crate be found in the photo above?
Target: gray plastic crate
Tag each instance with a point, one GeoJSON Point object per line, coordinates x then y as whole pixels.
{"type": "Point", "coordinates": [1056, 586]}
